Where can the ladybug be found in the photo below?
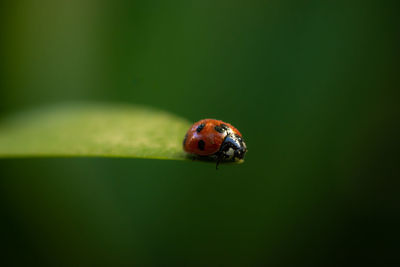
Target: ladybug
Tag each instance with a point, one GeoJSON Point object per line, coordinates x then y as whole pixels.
{"type": "Point", "coordinates": [216, 140]}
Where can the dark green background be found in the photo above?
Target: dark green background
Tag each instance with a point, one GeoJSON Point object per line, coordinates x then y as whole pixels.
{"type": "Point", "coordinates": [311, 85]}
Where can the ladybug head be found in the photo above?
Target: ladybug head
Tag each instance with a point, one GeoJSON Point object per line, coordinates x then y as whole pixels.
{"type": "Point", "coordinates": [233, 148]}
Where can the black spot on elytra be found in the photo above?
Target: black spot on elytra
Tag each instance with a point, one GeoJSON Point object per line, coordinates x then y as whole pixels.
{"type": "Point", "coordinates": [224, 126]}
{"type": "Point", "coordinates": [184, 140]}
{"type": "Point", "coordinates": [219, 129]}
{"type": "Point", "coordinates": [201, 144]}
{"type": "Point", "coordinates": [201, 126]}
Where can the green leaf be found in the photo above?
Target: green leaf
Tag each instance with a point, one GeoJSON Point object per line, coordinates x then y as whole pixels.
{"type": "Point", "coordinates": [96, 130]}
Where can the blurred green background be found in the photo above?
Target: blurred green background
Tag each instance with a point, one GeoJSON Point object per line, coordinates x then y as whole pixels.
{"type": "Point", "coordinates": [312, 85]}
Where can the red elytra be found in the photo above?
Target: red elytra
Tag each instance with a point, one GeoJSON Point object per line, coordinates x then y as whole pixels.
{"type": "Point", "coordinates": [204, 139]}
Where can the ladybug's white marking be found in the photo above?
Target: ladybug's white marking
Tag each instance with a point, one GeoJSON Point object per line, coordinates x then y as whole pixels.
{"type": "Point", "coordinates": [230, 152]}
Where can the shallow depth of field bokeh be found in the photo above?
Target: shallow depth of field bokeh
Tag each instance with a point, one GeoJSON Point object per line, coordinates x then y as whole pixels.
{"type": "Point", "coordinates": [311, 85]}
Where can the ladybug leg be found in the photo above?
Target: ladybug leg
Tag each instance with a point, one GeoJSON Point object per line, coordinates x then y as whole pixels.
{"type": "Point", "coordinates": [218, 161]}
{"type": "Point", "coordinates": [220, 158]}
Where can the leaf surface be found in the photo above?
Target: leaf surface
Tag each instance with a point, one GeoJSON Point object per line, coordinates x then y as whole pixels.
{"type": "Point", "coordinates": [96, 130]}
